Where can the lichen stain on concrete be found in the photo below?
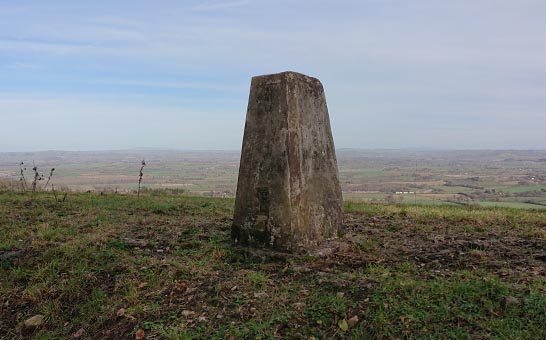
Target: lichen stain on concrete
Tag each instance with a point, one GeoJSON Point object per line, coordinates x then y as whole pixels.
{"type": "Point", "coordinates": [288, 193]}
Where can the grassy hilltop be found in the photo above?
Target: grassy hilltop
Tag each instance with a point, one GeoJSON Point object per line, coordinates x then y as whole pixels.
{"type": "Point", "coordinates": [162, 266]}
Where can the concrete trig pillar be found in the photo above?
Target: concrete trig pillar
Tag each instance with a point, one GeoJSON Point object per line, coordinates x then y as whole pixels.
{"type": "Point", "coordinates": [288, 193]}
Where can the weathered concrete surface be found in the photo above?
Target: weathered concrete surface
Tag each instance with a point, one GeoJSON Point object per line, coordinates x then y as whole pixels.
{"type": "Point", "coordinates": [288, 192]}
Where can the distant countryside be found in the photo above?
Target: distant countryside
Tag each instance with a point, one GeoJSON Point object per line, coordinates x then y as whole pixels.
{"type": "Point", "coordinates": [514, 179]}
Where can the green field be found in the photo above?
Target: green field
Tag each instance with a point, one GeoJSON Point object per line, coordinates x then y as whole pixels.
{"type": "Point", "coordinates": [520, 205]}
{"type": "Point", "coordinates": [525, 188]}
{"type": "Point", "coordinates": [109, 266]}
{"type": "Point", "coordinates": [437, 177]}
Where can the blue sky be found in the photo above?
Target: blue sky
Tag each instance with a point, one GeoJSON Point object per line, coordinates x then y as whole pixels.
{"type": "Point", "coordinates": [91, 75]}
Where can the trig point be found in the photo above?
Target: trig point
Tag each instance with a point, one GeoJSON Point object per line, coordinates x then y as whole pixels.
{"type": "Point", "coordinates": [288, 192]}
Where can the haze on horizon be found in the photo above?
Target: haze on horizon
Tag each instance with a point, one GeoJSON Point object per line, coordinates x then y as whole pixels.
{"type": "Point", "coordinates": [468, 74]}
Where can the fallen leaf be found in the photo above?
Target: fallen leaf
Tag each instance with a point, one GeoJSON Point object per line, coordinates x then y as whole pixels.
{"type": "Point", "coordinates": [139, 335]}
{"type": "Point", "coordinates": [35, 321]}
{"type": "Point", "coordinates": [121, 312]}
{"type": "Point", "coordinates": [343, 325]}
{"type": "Point", "coordinates": [187, 313]}
{"type": "Point", "coordinates": [78, 333]}
{"type": "Point", "coordinates": [353, 321]}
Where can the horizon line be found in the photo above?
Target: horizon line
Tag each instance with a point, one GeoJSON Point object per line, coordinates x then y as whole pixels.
{"type": "Point", "coordinates": [152, 149]}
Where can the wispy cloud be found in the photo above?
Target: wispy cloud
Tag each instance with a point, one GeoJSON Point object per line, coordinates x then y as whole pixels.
{"type": "Point", "coordinates": [385, 64]}
{"type": "Point", "coordinates": [172, 84]}
{"type": "Point", "coordinates": [219, 5]}
{"type": "Point", "coordinates": [22, 66]}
